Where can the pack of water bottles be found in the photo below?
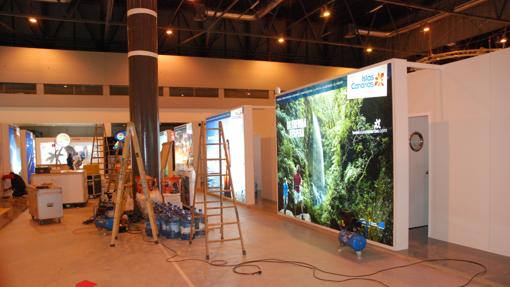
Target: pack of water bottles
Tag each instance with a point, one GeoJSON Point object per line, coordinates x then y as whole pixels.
{"type": "Point", "coordinates": [174, 222]}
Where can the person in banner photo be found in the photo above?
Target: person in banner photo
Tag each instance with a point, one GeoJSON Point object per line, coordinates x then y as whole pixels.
{"type": "Point", "coordinates": [297, 190]}
{"type": "Point", "coordinates": [285, 196]}
{"type": "Point", "coordinates": [70, 161]}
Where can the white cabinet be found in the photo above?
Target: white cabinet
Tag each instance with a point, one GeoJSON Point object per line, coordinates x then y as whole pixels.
{"type": "Point", "coordinates": [45, 203]}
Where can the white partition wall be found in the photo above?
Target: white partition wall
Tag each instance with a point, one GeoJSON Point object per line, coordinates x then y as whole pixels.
{"type": "Point", "coordinates": [264, 128]}
{"type": "Point", "coordinates": [400, 155]}
{"type": "Point", "coordinates": [241, 127]}
{"type": "Point", "coordinates": [468, 103]}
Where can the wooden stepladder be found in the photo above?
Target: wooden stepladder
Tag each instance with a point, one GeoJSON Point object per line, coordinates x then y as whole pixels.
{"type": "Point", "coordinates": [225, 187]}
{"type": "Point", "coordinates": [131, 139]}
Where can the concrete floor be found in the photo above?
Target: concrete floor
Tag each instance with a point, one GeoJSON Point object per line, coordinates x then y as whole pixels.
{"type": "Point", "coordinates": [67, 253]}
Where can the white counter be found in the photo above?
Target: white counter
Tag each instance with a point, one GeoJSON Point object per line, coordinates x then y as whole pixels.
{"type": "Point", "coordinates": [72, 182]}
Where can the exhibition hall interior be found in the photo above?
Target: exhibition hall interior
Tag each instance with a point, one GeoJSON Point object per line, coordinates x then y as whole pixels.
{"type": "Point", "coordinates": [254, 143]}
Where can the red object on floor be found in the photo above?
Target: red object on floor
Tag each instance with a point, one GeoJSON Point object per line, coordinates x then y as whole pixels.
{"type": "Point", "coordinates": [85, 283]}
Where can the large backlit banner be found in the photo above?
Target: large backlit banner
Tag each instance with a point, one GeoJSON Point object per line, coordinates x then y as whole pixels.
{"type": "Point", "coordinates": [48, 152]}
{"type": "Point", "coordinates": [183, 146]}
{"type": "Point", "coordinates": [14, 150]}
{"type": "Point", "coordinates": [233, 127]}
{"type": "Point", "coordinates": [30, 153]}
{"type": "Point", "coordinates": [335, 153]}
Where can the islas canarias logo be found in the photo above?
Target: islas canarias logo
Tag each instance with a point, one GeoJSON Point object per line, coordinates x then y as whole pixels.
{"type": "Point", "coordinates": [368, 83]}
{"type": "Point", "coordinates": [369, 80]}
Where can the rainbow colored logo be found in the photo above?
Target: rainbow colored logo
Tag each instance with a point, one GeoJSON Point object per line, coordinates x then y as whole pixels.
{"type": "Point", "coordinates": [379, 79]}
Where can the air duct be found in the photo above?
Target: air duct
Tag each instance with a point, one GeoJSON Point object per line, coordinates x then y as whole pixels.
{"type": "Point", "coordinates": [380, 34]}
{"type": "Point", "coordinates": [246, 17]}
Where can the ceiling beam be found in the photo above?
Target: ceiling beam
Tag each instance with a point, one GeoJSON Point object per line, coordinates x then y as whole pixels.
{"type": "Point", "coordinates": [162, 40]}
{"type": "Point", "coordinates": [71, 9]}
{"type": "Point", "coordinates": [6, 27]}
{"type": "Point", "coordinates": [218, 18]}
{"type": "Point", "coordinates": [309, 14]}
{"type": "Point", "coordinates": [449, 12]}
{"type": "Point", "coordinates": [108, 17]}
{"type": "Point", "coordinates": [207, 30]}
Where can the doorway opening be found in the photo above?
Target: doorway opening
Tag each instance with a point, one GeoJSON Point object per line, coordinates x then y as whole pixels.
{"type": "Point", "coordinates": [418, 180]}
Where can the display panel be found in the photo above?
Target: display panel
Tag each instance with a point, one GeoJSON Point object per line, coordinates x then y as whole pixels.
{"type": "Point", "coordinates": [183, 146]}
{"type": "Point", "coordinates": [14, 150]}
{"type": "Point", "coordinates": [49, 153]}
{"type": "Point", "coordinates": [233, 127]}
{"type": "Point", "coordinates": [30, 154]}
{"type": "Point", "coordinates": [335, 153]}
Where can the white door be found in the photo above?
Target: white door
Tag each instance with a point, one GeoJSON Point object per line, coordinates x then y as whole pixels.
{"type": "Point", "coordinates": [418, 171]}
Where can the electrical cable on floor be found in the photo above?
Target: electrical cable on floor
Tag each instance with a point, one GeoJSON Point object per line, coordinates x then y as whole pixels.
{"type": "Point", "coordinates": [237, 267]}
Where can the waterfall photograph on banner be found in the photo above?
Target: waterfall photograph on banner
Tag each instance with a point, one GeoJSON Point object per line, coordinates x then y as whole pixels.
{"type": "Point", "coordinates": [335, 154]}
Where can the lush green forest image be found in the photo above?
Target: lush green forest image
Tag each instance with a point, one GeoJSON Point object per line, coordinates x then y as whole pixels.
{"type": "Point", "coordinates": [335, 159]}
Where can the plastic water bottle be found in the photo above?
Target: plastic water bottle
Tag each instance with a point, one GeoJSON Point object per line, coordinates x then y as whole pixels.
{"type": "Point", "coordinates": [197, 224]}
{"type": "Point", "coordinates": [165, 225]}
{"type": "Point", "coordinates": [185, 227]}
{"type": "Point", "coordinates": [175, 227]}
{"type": "Point", "coordinates": [201, 225]}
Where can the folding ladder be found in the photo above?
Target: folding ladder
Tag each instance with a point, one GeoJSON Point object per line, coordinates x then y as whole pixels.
{"type": "Point", "coordinates": [222, 190]}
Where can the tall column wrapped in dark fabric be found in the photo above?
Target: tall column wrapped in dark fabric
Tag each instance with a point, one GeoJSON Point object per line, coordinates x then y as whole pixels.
{"type": "Point", "coordinates": [143, 80]}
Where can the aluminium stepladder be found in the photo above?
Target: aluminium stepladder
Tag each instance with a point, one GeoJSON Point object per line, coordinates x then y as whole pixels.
{"type": "Point", "coordinates": [225, 187]}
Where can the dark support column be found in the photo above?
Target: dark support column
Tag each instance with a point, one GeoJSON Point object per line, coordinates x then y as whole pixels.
{"type": "Point", "coordinates": [143, 79]}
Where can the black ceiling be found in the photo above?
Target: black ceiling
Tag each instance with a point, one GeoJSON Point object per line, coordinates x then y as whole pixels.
{"type": "Point", "coordinates": [202, 28]}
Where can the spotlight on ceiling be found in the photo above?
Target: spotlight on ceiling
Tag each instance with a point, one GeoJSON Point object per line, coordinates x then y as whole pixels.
{"type": "Point", "coordinates": [426, 29]}
{"type": "Point", "coordinates": [325, 12]}
{"type": "Point", "coordinates": [369, 50]}
{"type": "Point", "coordinates": [32, 20]}
{"type": "Point", "coordinates": [281, 40]}
{"type": "Point", "coordinates": [503, 40]}
{"type": "Point", "coordinates": [169, 31]}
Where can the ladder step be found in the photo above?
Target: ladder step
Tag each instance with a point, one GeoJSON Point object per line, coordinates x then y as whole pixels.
{"type": "Point", "coordinates": [223, 240]}
{"type": "Point", "coordinates": [216, 174]}
{"type": "Point", "coordinates": [213, 144]}
{"type": "Point", "coordinates": [219, 207]}
{"type": "Point", "coordinates": [215, 159]}
{"type": "Point", "coordinates": [208, 202]}
{"type": "Point", "coordinates": [220, 191]}
{"type": "Point", "coordinates": [217, 189]}
{"type": "Point", "coordinates": [224, 223]}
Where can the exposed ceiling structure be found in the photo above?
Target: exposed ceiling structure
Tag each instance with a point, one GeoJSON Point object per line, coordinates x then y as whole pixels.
{"type": "Point", "coordinates": [356, 32]}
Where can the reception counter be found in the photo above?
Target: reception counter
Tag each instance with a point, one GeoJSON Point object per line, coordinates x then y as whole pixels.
{"type": "Point", "coordinates": [73, 184]}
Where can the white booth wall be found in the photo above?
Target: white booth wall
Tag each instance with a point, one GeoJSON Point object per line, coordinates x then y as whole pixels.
{"type": "Point", "coordinates": [468, 104]}
{"type": "Point", "coordinates": [264, 129]}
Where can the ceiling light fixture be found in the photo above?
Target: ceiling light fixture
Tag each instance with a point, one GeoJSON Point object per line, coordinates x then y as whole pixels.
{"type": "Point", "coordinates": [325, 12]}
{"type": "Point", "coordinates": [503, 40]}
{"type": "Point", "coordinates": [32, 20]}
{"type": "Point", "coordinates": [426, 29]}
{"type": "Point", "coordinates": [369, 50]}
{"type": "Point", "coordinates": [281, 40]}
{"type": "Point", "coordinates": [169, 31]}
